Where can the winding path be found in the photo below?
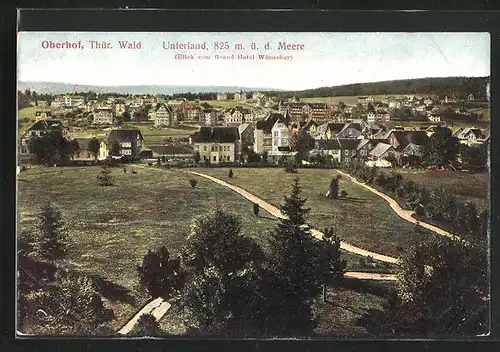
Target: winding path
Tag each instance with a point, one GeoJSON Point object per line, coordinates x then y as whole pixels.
{"type": "Point", "coordinates": [271, 209]}
{"type": "Point", "coordinates": [405, 214]}
{"type": "Point", "coordinates": [157, 307]}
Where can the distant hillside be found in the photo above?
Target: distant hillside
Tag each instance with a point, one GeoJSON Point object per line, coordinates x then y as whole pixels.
{"type": "Point", "coordinates": [461, 86]}
{"type": "Point", "coordinates": [58, 88]}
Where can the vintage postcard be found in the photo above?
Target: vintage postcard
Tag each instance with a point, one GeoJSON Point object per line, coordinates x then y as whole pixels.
{"type": "Point", "coordinates": [253, 185]}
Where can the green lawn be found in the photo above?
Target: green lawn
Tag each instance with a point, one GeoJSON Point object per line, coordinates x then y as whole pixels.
{"type": "Point", "coordinates": [364, 219]}
{"type": "Point", "coordinates": [467, 186]}
{"type": "Point", "coordinates": [227, 104]}
{"type": "Point", "coordinates": [113, 227]}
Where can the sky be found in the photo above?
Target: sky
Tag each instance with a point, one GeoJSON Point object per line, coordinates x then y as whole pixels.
{"type": "Point", "coordinates": [328, 59]}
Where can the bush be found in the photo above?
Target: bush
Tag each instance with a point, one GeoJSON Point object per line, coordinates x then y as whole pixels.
{"type": "Point", "coordinates": [193, 182]}
{"type": "Point", "coordinates": [146, 326]}
{"type": "Point", "coordinates": [161, 275]}
{"type": "Point", "coordinates": [256, 209]}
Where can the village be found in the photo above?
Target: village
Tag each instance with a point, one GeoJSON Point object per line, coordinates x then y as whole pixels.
{"type": "Point", "coordinates": [123, 197]}
{"type": "Point", "coordinates": [254, 125]}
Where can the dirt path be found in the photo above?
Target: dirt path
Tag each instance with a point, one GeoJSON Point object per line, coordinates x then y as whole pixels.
{"type": "Point", "coordinates": [157, 307]}
{"type": "Point", "coordinates": [405, 214]}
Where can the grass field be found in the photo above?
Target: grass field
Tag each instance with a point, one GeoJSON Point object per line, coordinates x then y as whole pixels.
{"type": "Point", "coordinates": [113, 227]}
{"type": "Point", "coordinates": [227, 104]}
{"type": "Point", "coordinates": [363, 219]}
{"type": "Point", "coordinates": [467, 186]}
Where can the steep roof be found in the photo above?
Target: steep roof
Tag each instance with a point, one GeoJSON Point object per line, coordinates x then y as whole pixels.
{"type": "Point", "coordinates": [348, 143]}
{"type": "Point", "coordinates": [46, 125]}
{"type": "Point", "coordinates": [158, 106]}
{"type": "Point", "coordinates": [406, 137]}
{"type": "Point", "coordinates": [327, 144]}
{"type": "Point", "coordinates": [216, 134]}
{"type": "Point", "coordinates": [124, 135]}
{"type": "Point", "coordinates": [380, 149]}
{"type": "Point", "coordinates": [268, 123]}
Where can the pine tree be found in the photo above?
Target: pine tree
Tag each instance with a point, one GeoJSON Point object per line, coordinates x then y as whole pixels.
{"type": "Point", "coordinates": [295, 261]}
{"type": "Point", "coordinates": [51, 239]}
{"type": "Point", "coordinates": [105, 178]}
{"type": "Point", "coordinates": [293, 206]}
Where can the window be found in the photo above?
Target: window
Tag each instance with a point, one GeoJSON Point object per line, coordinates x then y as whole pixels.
{"type": "Point", "coordinates": [346, 152]}
{"type": "Point", "coordinates": [275, 133]}
{"type": "Point", "coordinates": [126, 152]}
{"type": "Point", "coordinates": [204, 148]}
{"type": "Point", "coordinates": [215, 158]}
{"type": "Point", "coordinates": [363, 152]}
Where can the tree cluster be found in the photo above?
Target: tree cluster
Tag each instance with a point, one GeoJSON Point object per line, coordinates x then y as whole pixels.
{"type": "Point", "coordinates": [53, 148]}
{"type": "Point", "coordinates": [52, 297]}
{"type": "Point", "coordinates": [235, 288]}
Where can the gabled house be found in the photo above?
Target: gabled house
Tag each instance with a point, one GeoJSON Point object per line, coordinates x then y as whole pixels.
{"type": "Point", "coordinates": [125, 143]}
{"type": "Point", "coordinates": [328, 130]}
{"type": "Point", "coordinates": [364, 147]}
{"type": "Point", "coordinates": [280, 142]}
{"type": "Point", "coordinates": [382, 151]}
{"type": "Point", "coordinates": [341, 150]}
{"type": "Point", "coordinates": [40, 129]}
{"type": "Point", "coordinates": [216, 144]}
{"type": "Point", "coordinates": [413, 150]}
{"type": "Point", "coordinates": [311, 127]}
{"type": "Point", "coordinates": [246, 132]}
{"type": "Point", "coordinates": [163, 115]}
{"type": "Point", "coordinates": [470, 135]}
{"type": "Point", "coordinates": [400, 139]}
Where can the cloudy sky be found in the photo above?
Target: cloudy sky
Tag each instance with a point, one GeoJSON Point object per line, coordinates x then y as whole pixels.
{"type": "Point", "coordinates": [328, 59]}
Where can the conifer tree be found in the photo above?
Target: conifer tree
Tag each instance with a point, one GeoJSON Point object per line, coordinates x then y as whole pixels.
{"type": "Point", "coordinates": [105, 178]}
{"type": "Point", "coordinates": [51, 238]}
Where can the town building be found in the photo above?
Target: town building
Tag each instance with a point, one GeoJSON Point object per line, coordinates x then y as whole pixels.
{"type": "Point", "coordinates": [103, 116]}
{"type": "Point", "coordinates": [43, 115]}
{"type": "Point", "coordinates": [40, 129]}
{"type": "Point", "coordinates": [216, 144]}
{"type": "Point", "coordinates": [126, 143]}
{"type": "Point", "coordinates": [163, 115]}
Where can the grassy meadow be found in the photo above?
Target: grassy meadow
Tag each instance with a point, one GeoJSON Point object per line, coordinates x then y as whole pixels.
{"type": "Point", "coordinates": [362, 219]}
{"type": "Point", "coordinates": [466, 186]}
{"type": "Point", "coordinates": [113, 227]}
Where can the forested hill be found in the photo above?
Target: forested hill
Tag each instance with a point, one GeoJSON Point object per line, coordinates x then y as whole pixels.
{"type": "Point", "coordinates": [460, 86]}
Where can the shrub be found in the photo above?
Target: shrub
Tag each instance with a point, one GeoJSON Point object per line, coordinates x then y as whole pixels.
{"type": "Point", "coordinates": [256, 209]}
{"type": "Point", "coordinates": [193, 182]}
{"type": "Point", "coordinates": [146, 326]}
{"type": "Point", "coordinates": [161, 275]}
